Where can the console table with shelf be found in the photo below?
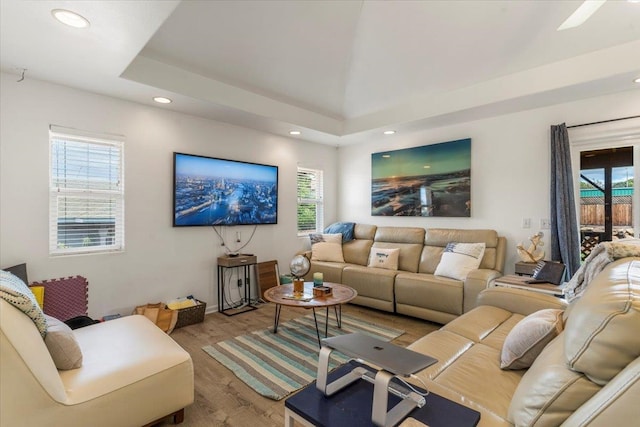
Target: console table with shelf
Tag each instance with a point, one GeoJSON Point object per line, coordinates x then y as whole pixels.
{"type": "Point", "coordinates": [242, 262]}
{"type": "Point", "coordinates": [520, 282]}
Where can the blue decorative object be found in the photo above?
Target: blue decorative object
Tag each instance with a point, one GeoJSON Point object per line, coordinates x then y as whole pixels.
{"type": "Point", "coordinates": [346, 228]}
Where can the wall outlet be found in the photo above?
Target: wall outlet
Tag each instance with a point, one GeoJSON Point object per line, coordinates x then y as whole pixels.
{"type": "Point", "coordinates": [526, 222]}
{"type": "Point", "coordinates": [545, 223]}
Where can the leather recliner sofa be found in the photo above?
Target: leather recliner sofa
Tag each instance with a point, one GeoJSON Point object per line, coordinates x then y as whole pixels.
{"type": "Point", "coordinates": [589, 375]}
{"type": "Point", "coordinates": [413, 289]}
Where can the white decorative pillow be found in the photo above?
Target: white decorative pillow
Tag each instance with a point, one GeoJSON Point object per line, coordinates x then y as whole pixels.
{"type": "Point", "coordinates": [529, 337]}
{"type": "Point", "coordinates": [459, 259]}
{"type": "Point", "coordinates": [326, 247]}
{"type": "Point", "coordinates": [62, 345]}
{"type": "Point", "coordinates": [384, 258]}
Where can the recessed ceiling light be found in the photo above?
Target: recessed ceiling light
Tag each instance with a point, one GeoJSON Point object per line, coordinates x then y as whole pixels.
{"type": "Point", "coordinates": [69, 18]}
{"type": "Point", "coordinates": [294, 132]}
{"type": "Point", "coordinates": [162, 100]}
{"type": "Point", "coordinates": [637, 80]}
{"type": "Point", "coordinates": [389, 132]}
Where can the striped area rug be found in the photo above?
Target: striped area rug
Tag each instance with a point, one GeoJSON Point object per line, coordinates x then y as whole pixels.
{"type": "Point", "coordinates": [276, 365]}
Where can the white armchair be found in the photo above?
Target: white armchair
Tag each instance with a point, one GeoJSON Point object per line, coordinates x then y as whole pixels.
{"type": "Point", "coordinates": [132, 375]}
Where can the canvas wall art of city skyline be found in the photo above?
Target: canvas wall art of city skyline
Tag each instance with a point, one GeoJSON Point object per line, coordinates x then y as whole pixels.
{"type": "Point", "coordinates": [430, 180]}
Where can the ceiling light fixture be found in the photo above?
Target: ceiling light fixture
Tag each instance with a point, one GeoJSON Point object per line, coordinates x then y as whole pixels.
{"type": "Point", "coordinates": [389, 132]}
{"type": "Point", "coordinates": [162, 100]}
{"type": "Point", "coordinates": [294, 132]}
{"type": "Point", "coordinates": [69, 18]}
{"type": "Point", "coordinates": [582, 13]}
{"type": "Point", "coordinates": [637, 80]}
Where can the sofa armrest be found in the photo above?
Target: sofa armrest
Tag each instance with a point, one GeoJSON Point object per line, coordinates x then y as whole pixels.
{"type": "Point", "coordinates": [476, 281]}
{"type": "Point", "coordinates": [519, 300]}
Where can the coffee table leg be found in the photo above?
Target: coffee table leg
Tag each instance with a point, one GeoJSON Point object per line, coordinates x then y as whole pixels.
{"type": "Point", "coordinates": [326, 322]}
{"type": "Point", "coordinates": [315, 319]}
{"type": "Point", "coordinates": [276, 319]}
{"type": "Point", "coordinates": [338, 310]}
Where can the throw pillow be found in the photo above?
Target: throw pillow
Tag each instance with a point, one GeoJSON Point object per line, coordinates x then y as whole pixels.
{"type": "Point", "coordinates": [346, 228]}
{"type": "Point", "coordinates": [326, 247]}
{"type": "Point", "coordinates": [62, 345]}
{"type": "Point", "coordinates": [459, 259]}
{"type": "Point", "coordinates": [529, 337]}
{"type": "Point", "coordinates": [17, 293]}
{"type": "Point", "coordinates": [19, 270]}
{"type": "Point", "coordinates": [384, 258]}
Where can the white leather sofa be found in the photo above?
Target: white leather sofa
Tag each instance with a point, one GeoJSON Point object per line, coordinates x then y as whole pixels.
{"type": "Point", "coordinates": [589, 375]}
{"type": "Point", "coordinates": [132, 374]}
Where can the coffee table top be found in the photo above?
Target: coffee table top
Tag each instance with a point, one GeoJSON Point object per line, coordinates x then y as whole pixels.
{"type": "Point", "coordinates": [283, 295]}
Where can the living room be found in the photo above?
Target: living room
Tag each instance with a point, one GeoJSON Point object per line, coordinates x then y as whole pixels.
{"type": "Point", "coordinates": [510, 170]}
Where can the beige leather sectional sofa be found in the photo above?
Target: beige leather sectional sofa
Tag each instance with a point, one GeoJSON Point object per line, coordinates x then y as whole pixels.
{"type": "Point", "coordinates": [413, 289]}
{"type": "Point", "coordinates": [589, 375]}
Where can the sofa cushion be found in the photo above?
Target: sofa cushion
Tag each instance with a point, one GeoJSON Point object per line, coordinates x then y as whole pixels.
{"type": "Point", "coordinates": [529, 337]}
{"type": "Point", "coordinates": [357, 251]}
{"type": "Point", "coordinates": [459, 259]}
{"type": "Point", "coordinates": [549, 392]}
{"type": "Point", "coordinates": [607, 314]}
{"type": "Point", "coordinates": [384, 258]}
{"type": "Point", "coordinates": [62, 345]}
{"type": "Point", "coordinates": [437, 293]}
{"type": "Point", "coordinates": [331, 271]}
{"type": "Point", "coordinates": [326, 247]}
{"type": "Point", "coordinates": [370, 282]}
{"type": "Point", "coordinates": [17, 293]}
{"type": "Point", "coordinates": [437, 239]}
{"type": "Point", "coordinates": [409, 257]}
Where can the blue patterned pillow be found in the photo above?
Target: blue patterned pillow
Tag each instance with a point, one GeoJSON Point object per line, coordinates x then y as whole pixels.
{"type": "Point", "coordinates": [345, 228]}
{"type": "Point", "coordinates": [15, 292]}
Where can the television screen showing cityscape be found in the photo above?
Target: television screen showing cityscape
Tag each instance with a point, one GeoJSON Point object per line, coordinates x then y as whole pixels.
{"type": "Point", "coordinates": [210, 191]}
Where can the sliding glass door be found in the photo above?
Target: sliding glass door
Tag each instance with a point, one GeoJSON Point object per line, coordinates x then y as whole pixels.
{"type": "Point", "coordinates": [606, 196]}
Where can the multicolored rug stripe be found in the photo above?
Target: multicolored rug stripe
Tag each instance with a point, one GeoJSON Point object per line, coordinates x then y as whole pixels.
{"type": "Point", "coordinates": [276, 365]}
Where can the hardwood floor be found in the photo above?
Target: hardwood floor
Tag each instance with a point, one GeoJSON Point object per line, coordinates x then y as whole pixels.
{"type": "Point", "coordinates": [221, 399]}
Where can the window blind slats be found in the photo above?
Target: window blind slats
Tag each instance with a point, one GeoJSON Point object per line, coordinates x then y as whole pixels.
{"type": "Point", "coordinates": [310, 203]}
{"type": "Point", "coordinates": [86, 195]}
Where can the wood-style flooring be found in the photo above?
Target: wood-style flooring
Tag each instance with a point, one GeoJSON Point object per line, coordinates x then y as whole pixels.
{"type": "Point", "coordinates": [221, 399]}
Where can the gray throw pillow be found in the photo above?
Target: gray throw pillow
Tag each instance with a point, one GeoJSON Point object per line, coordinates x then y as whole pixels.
{"type": "Point", "coordinates": [529, 337]}
{"type": "Point", "coordinates": [62, 345]}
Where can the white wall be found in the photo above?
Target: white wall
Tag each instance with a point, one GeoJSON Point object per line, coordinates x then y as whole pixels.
{"type": "Point", "coordinates": [160, 262]}
{"type": "Point", "coordinates": [509, 168]}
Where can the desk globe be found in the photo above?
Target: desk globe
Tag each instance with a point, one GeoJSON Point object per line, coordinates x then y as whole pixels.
{"type": "Point", "coordinates": [299, 267]}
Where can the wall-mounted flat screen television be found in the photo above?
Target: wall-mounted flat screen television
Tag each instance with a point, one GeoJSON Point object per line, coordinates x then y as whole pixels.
{"type": "Point", "coordinates": [211, 191]}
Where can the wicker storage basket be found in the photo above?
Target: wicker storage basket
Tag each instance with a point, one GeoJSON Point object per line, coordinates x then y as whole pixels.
{"type": "Point", "coordinates": [191, 315]}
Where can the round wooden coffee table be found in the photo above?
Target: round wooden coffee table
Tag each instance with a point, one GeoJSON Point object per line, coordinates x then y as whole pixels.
{"type": "Point", "coordinates": [283, 295]}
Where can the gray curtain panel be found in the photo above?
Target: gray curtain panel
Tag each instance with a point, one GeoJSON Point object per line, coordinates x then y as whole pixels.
{"type": "Point", "coordinates": [565, 237]}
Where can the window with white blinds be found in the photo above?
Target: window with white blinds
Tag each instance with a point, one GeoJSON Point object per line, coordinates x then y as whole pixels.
{"type": "Point", "coordinates": [310, 204]}
{"type": "Point", "coordinates": [86, 203]}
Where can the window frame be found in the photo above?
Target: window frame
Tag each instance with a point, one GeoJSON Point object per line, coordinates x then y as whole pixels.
{"type": "Point", "coordinates": [318, 201]}
{"type": "Point", "coordinates": [112, 196]}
